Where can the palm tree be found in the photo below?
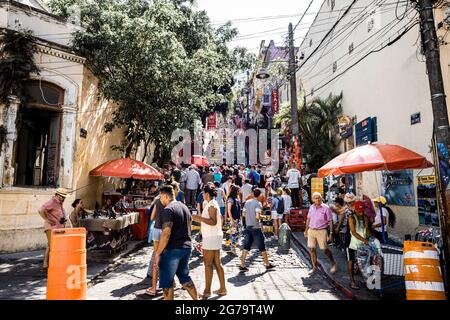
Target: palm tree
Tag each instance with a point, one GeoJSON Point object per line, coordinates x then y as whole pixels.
{"type": "Point", "coordinates": [318, 128]}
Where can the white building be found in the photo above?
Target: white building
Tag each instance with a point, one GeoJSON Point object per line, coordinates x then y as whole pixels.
{"type": "Point", "coordinates": [390, 85]}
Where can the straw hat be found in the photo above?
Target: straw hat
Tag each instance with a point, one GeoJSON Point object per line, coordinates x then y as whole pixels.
{"type": "Point", "coordinates": [380, 199]}
{"type": "Point", "coordinates": [349, 197]}
{"type": "Point", "coordinates": [63, 192]}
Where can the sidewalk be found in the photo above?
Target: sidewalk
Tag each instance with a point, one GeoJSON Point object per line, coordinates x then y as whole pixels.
{"type": "Point", "coordinates": [21, 277]}
{"type": "Point", "coordinates": [341, 279]}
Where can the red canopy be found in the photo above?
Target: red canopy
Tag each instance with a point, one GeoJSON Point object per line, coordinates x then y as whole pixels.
{"type": "Point", "coordinates": [127, 168]}
{"type": "Point", "coordinates": [200, 161]}
{"type": "Point", "coordinates": [373, 157]}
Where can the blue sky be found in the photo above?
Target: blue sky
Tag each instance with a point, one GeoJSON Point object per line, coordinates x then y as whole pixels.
{"type": "Point", "coordinates": [251, 33]}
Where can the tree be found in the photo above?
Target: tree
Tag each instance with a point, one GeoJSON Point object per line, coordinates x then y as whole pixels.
{"type": "Point", "coordinates": [162, 62]}
{"type": "Point", "coordinates": [16, 63]}
{"type": "Point", "coordinates": [318, 128]}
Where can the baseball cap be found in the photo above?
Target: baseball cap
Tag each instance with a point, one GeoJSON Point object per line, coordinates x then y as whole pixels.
{"type": "Point", "coordinates": [380, 199]}
{"type": "Point", "coordinates": [360, 206]}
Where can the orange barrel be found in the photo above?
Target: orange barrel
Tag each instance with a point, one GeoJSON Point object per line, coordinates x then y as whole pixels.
{"type": "Point", "coordinates": [67, 268]}
{"type": "Point", "coordinates": [423, 276]}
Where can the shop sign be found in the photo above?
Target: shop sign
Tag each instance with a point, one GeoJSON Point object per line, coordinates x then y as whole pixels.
{"type": "Point", "coordinates": [83, 133]}
{"type": "Point", "coordinates": [415, 118]}
{"type": "Point", "coordinates": [347, 133]}
{"type": "Point", "coordinates": [366, 131]}
{"type": "Point", "coordinates": [275, 102]}
{"type": "Point", "coordinates": [317, 186]}
{"type": "Point", "coordinates": [211, 123]}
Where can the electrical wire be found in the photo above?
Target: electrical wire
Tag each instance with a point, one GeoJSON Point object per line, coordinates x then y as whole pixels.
{"type": "Point", "coordinates": [407, 29]}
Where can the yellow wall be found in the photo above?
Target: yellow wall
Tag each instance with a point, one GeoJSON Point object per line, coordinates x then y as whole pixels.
{"type": "Point", "coordinates": [94, 150]}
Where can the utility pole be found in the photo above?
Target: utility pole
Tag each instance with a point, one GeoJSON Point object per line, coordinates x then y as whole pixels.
{"type": "Point", "coordinates": [293, 81]}
{"type": "Point", "coordinates": [440, 115]}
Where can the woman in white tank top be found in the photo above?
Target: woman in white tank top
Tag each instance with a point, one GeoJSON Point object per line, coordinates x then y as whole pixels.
{"type": "Point", "coordinates": [212, 235]}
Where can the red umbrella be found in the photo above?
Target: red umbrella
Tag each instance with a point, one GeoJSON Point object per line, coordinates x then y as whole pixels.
{"type": "Point", "coordinates": [200, 161]}
{"type": "Point", "coordinates": [127, 168]}
{"type": "Point", "coordinates": [374, 157]}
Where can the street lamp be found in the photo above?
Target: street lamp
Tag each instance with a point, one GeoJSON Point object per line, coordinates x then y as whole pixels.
{"type": "Point", "coordinates": [262, 74]}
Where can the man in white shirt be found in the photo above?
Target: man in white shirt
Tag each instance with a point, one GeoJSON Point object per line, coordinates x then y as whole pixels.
{"type": "Point", "coordinates": [193, 181]}
{"type": "Point", "coordinates": [246, 190]}
{"type": "Point", "coordinates": [294, 176]}
{"type": "Point", "coordinates": [380, 202]}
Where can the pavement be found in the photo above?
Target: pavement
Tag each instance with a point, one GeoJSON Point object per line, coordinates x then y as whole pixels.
{"type": "Point", "coordinates": [341, 280]}
{"type": "Point", "coordinates": [21, 277]}
{"type": "Point", "coordinates": [123, 277]}
{"type": "Point", "coordinates": [288, 281]}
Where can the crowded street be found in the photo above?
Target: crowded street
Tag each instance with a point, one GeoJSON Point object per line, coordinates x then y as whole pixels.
{"type": "Point", "coordinates": [224, 151]}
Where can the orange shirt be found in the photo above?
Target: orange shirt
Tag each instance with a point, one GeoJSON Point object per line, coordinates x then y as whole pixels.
{"type": "Point", "coordinates": [261, 199]}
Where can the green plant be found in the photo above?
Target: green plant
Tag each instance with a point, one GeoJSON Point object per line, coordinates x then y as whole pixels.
{"type": "Point", "coordinates": [318, 127]}
{"type": "Point", "coordinates": [16, 63]}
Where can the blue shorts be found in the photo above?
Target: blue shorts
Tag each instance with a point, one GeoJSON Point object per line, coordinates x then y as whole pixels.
{"type": "Point", "coordinates": [222, 211]}
{"type": "Point", "coordinates": [254, 236]}
{"type": "Point", "coordinates": [174, 262]}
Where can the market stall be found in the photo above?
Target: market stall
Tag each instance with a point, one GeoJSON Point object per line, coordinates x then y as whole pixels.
{"type": "Point", "coordinates": [132, 201]}
{"type": "Point", "coordinates": [109, 234]}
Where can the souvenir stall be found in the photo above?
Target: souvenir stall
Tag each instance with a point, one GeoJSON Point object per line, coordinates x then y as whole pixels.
{"type": "Point", "coordinates": [396, 261]}
{"type": "Point", "coordinates": [124, 213]}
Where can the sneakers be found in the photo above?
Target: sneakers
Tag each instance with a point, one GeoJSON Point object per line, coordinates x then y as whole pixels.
{"type": "Point", "coordinates": [243, 268]}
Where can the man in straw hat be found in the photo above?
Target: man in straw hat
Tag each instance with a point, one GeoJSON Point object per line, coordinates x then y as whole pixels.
{"type": "Point", "coordinates": [54, 217]}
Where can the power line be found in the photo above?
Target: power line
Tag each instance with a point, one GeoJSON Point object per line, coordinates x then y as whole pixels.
{"type": "Point", "coordinates": [358, 22]}
{"type": "Point", "coordinates": [304, 13]}
{"type": "Point", "coordinates": [407, 29]}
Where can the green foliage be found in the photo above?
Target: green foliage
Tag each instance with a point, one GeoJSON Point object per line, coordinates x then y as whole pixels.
{"type": "Point", "coordinates": [161, 61]}
{"type": "Point", "coordinates": [318, 127]}
{"type": "Point", "coordinates": [16, 63]}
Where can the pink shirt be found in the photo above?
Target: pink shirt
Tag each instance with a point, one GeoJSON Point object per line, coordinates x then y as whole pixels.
{"type": "Point", "coordinates": [55, 213]}
{"type": "Point", "coordinates": [320, 217]}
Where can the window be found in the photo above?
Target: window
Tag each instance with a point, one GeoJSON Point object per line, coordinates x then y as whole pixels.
{"type": "Point", "coordinates": [350, 48]}
{"type": "Point", "coordinates": [310, 42]}
{"type": "Point", "coordinates": [370, 24]}
{"type": "Point", "coordinates": [334, 66]}
{"type": "Point", "coordinates": [38, 136]}
{"type": "Point", "coordinates": [332, 3]}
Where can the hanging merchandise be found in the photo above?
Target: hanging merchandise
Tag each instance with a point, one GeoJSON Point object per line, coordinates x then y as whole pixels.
{"type": "Point", "coordinates": [427, 202]}
{"type": "Point", "coordinates": [370, 258]}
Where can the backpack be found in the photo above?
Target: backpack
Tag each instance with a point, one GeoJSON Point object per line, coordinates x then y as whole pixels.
{"type": "Point", "coordinates": [276, 183]}
{"type": "Point", "coordinates": [280, 208]}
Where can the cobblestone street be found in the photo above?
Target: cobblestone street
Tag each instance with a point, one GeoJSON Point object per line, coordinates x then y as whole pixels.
{"type": "Point", "coordinates": [288, 281]}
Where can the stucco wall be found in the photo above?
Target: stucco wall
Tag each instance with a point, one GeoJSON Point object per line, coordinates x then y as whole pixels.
{"type": "Point", "coordinates": [391, 84]}
{"type": "Point", "coordinates": [95, 149]}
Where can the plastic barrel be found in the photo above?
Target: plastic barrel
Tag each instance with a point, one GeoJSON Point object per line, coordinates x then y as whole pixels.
{"type": "Point", "coordinates": [423, 276]}
{"type": "Point", "coordinates": [67, 269]}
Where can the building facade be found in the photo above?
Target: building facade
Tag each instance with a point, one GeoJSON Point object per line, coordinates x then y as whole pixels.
{"type": "Point", "coordinates": [54, 139]}
{"type": "Point", "coordinates": [381, 73]}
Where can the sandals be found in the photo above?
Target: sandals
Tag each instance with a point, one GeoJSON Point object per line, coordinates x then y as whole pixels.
{"type": "Point", "coordinates": [220, 293]}
{"type": "Point", "coordinates": [150, 292]}
{"type": "Point", "coordinates": [356, 287]}
{"type": "Point", "coordinates": [206, 296]}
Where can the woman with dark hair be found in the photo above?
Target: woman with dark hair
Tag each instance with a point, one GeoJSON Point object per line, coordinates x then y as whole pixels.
{"type": "Point", "coordinates": [211, 228]}
{"type": "Point", "coordinates": [78, 212]}
{"type": "Point", "coordinates": [238, 178]}
{"type": "Point", "coordinates": [233, 216]}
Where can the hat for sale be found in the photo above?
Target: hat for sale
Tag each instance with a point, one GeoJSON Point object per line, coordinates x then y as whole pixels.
{"type": "Point", "coordinates": [380, 199]}
{"type": "Point", "coordinates": [360, 206]}
{"type": "Point", "coordinates": [349, 197]}
{"type": "Point", "coordinates": [63, 192]}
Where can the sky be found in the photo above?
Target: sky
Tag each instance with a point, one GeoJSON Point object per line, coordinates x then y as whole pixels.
{"type": "Point", "coordinates": [257, 26]}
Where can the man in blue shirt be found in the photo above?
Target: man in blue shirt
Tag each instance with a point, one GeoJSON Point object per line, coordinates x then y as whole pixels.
{"type": "Point", "coordinates": [254, 176]}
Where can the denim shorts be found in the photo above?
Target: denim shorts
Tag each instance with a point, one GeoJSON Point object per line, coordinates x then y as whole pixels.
{"type": "Point", "coordinates": [174, 262]}
{"type": "Point", "coordinates": [222, 211]}
{"type": "Point", "coordinates": [156, 234]}
{"type": "Point", "coordinates": [254, 236]}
